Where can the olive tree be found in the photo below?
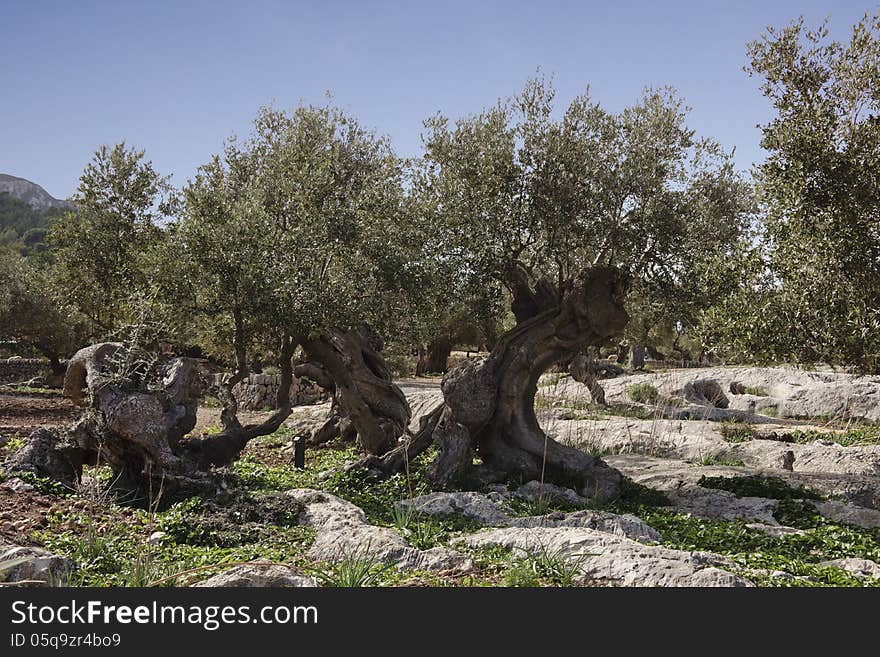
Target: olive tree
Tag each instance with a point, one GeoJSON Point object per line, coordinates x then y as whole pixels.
{"type": "Point", "coordinates": [101, 249]}
{"type": "Point", "coordinates": [565, 213]}
{"type": "Point", "coordinates": [298, 237]}
{"type": "Point", "coordinates": [33, 314]}
{"type": "Point", "coordinates": [811, 289]}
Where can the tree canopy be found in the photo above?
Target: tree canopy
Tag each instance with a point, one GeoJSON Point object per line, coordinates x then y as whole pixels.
{"type": "Point", "coordinates": [811, 289]}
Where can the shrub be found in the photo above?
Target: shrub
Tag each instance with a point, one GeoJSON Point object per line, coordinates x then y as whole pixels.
{"type": "Point", "coordinates": [644, 393]}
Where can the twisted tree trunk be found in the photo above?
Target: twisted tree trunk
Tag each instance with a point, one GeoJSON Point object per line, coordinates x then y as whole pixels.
{"type": "Point", "coordinates": [489, 405]}
{"type": "Point", "coordinates": [366, 402]}
{"type": "Point", "coordinates": [136, 424]}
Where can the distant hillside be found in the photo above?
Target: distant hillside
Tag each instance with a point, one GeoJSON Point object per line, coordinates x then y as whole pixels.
{"type": "Point", "coordinates": [31, 193]}
{"type": "Point", "coordinates": [23, 228]}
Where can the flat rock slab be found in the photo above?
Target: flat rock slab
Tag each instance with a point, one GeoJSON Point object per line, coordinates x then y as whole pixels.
{"type": "Point", "coordinates": [34, 566]}
{"type": "Point", "coordinates": [678, 481]}
{"type": "Point", "coordinates": [343, 532]}
{"type": "Point", "coordinates": [603, 558]}
{"type": "Point", "coordinates": [858, 567]}
{"type": "Point", "coordinates": [261, 574]}
{"type": "Point", "coordinates": [790, 392]}
{"type": "Point", "coordinates": [491, 510]}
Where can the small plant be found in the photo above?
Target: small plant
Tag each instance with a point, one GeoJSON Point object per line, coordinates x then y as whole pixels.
{"type": "Point", "coordinates": [771, 411]}
{"type": "Point", "coordinates": [520, 573]}
{"type": "Point", "coordinates": [422, 533]}
{"type": "Point", "coordinates": [354, 571]}
{"type": "Point", "coordinates": [757, 391]}
{"type": "Point", "coordinates": [644, 393]}
{"type": "Point", "coordinates": [544, 564]}
{"type": "Point", "coordinates": [738, 432]}
{"type": "Point", "coordinates": [15, 443]}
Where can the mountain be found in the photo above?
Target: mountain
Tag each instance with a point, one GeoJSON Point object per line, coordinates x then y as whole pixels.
{"type": "Point", "coordinates": [31, 193]}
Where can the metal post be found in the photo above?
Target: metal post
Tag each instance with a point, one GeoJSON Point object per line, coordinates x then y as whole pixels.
{"type": "Point", "coordinates": [299, 452]}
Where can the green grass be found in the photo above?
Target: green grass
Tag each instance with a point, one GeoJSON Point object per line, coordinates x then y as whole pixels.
{"type": "Point", "coordinates": [773, 488]}
{"type": "Point", "coordinates": [721, 460]}
{"type": "Point", "coordinates": [738, 432]}
{"type": "Point", "coordinates": [796, 555]}
{"type": "Point", "coordinates": [356, 570]}
{"type": "Point", "coordinates": [111, 551]}
{"type": "Point", "coordinates": [863, 435]}
{"type": "Point", "coordinates": [644, 393]}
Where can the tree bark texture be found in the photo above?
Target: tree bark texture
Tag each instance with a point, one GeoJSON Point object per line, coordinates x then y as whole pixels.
{"type": "Point", "coordinates": [366, 402]}
{"type": "Point", "coordinates": [488, 413]}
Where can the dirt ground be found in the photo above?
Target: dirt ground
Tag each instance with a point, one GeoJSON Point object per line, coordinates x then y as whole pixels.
{"type": "Point", "coordinates": [22, 412]}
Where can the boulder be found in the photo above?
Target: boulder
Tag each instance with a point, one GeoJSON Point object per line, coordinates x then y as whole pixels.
{"type": "Point", "coordinates": [343, 532]}
{"type": "Point", "coordinates": [603, 558]}
{"type": "Point", "coordinates": [264, 574]}
{"type": "Point", "coordinates": [34, 566]}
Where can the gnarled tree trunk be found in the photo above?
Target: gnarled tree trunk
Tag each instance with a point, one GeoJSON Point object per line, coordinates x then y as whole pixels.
{"type": "Point", "coordinates": [489, 405]}
{"type": "Point", "coordinates": [366, 402]}
{"type": "Point", "coordinates": [135, 421]}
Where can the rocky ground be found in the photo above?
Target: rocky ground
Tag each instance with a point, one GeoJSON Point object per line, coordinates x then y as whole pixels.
{"type": "Point", "coordinates": [735, 477]}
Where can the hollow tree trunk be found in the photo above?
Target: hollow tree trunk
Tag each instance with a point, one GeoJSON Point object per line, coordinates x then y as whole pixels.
{"type": "Point", "coordinates": [438, 355]}
{"type": "Point", "coordinates": [489, 410]}
{"type": "Point", "coordinates": [366, 400]}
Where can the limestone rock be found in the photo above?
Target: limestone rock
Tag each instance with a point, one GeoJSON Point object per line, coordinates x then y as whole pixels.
{"type": "Point", "coordinates": [33, 565]}
{"type": "Point", "coordinates": [261, 574]}
{"type": "Point", "coordinates": [482, 509]}
{"type": "Point", "coordinates": [343, 533]}
{"type": "Point", "coordinates": [858, 567]}
{"type": "Point", "coordinates": [607, 559]}
{"type": "Point", "coordinates": [474, 506]}
{"type": "Point", "coordinates": [533, 490]}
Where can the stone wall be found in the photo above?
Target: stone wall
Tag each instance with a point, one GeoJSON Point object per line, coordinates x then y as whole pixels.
{"type": "Point", "coordinates": [20, 370]}
{"type": "Point", "coordinates": [258, 391]}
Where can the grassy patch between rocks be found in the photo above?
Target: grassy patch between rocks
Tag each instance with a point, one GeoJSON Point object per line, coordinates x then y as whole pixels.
{"type": "Point", "coordinates": [773, 488]}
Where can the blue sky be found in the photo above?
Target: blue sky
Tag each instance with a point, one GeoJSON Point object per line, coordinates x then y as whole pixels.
{"type": "Point", "coordinates": [177, 78]}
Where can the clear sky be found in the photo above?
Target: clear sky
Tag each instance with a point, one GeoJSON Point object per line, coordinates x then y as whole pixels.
{"type": "Point", "coordinates": [177, 77]}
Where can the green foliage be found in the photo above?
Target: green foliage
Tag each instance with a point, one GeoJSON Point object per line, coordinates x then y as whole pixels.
{"type": "Point", "coordinates": [229, 521]}
{"type": "Point", "coordinates": [295, 231]}
{"type": "Point", "coordinates": [796, 554]}
{"type": "Point", "coordinates": [759, 486]}
{"type": "Point", "coordinates": [352, 571]}
{"type": "Point", "coordinates": [103, 252]}
{"type": "Point", "coordinates": [43, 485]}
{"type": "Point", "coordinates": [112, 551]}
{"type": "Point", "coordinates": [738, 432]}
{"type": "Point", "coordinates": [720, 459]}
{"type": "Point", "coordinates": [810, 289]}
{"type": "Point", "coordinates": [23, 229]}
{"type": "Point", "coordinates": [257, 476]}
{"type": "Point", "coordinates": [34, 313]}
{"type": "Point", "coordinates": [644, 393]}
{"type": "Point", "coordinates": [863, 435]}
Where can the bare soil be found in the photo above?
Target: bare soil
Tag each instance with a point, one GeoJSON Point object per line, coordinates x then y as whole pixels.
{"type": "Point", "coordinates": [22, 413]}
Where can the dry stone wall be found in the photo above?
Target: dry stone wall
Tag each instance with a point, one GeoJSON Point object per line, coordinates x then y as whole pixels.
{"type": "Point", "coordinates": [259, 391]}
{"type": "Point", "coordinates": [20, 370]}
